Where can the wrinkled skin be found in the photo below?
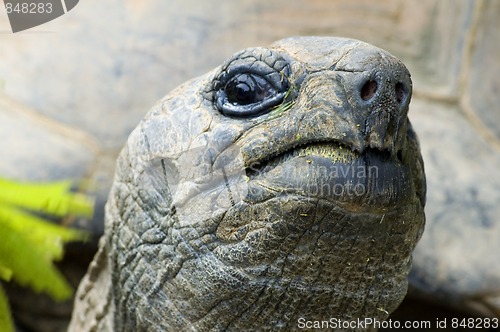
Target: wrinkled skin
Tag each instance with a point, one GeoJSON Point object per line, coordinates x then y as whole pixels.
{"type": "Point", "coordinates": [285, 184]}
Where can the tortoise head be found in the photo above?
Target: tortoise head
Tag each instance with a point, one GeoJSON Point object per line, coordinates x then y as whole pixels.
{"type": "Point", "coordinates": [286, 184]}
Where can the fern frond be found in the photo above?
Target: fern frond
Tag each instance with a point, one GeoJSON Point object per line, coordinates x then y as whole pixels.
{"type": "Point", "coordinates": [6, 323]}
{"type": "Point", "coordinates": [45, 235]}
{"type": "Point", "coordinates": [30, 264]}
{"type": "Point", "coordinates": [52, 198]}
{"type": "Point", "coordinates": [29, 244]}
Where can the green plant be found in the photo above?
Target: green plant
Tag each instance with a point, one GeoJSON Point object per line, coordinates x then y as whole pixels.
{"type": "Point", "coordinates": [287, 102]}
{"type": "Point", "coordinates": [29, 244]}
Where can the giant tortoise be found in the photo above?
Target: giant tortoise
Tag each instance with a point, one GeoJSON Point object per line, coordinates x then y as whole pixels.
{"type": "Point", "coordinates": [83, 93]}
{"type": "Point", "coordinates": [285, 185]}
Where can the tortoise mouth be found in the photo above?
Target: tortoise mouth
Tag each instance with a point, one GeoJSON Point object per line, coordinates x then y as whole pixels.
{"type": "Point", "coordinates": [372, 180]}
{"type": "Point", "coordinates": [331, 150]}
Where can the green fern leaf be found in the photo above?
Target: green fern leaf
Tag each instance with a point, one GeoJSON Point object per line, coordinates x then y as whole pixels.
{"type": "Point", "coordinates": [29, 244]}
{"type": "Point", "coordinates": [5, 273]}
{"type": "Point", "coordinates": [45, 235]}
{"type": "Point", "coordinates": [31, 265]}
{"type": "Point", "coordinates": [6, 323]}
{"type": "Point", "coordinates": [52, 198]}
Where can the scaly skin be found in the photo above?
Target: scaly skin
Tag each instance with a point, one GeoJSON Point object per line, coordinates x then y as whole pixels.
{"type": "Point", "coordinates": [240, 207]}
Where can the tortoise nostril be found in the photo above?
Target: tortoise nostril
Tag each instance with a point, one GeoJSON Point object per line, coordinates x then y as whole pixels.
{"type": "Point", "coordinates": [368, 90]}
{"type": "Point", "coordinates": [400, 92]}
{"type": "Point", "coordinates": [399, 155]}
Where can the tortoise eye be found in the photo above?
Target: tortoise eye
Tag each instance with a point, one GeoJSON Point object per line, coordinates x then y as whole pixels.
{"type": "Point", "coordinates": [246, 89]}
{"type": "Point", "coordinates": [251, 84]}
